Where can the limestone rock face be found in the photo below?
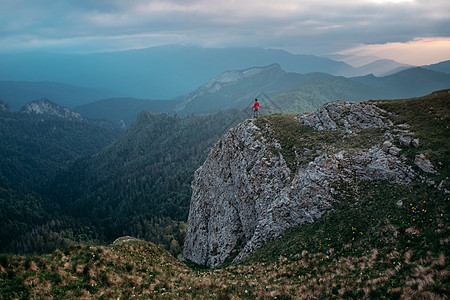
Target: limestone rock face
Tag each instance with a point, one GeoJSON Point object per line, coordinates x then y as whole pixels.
{"type": "Point", "coordinates": [232, 188]}
{"type": "Point", "coordinates": [345, 114]}
{"type": "Point", "coordinates": [245, 193]}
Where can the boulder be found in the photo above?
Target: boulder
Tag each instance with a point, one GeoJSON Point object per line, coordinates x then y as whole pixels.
{"type": "Point", "coordinates": [405, 140]}
{"type": "Point", "coordinates": [424, 164]}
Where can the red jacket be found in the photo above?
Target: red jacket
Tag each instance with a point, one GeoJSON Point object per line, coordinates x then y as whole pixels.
{"type": "Point", "coordinates": [256, 105]}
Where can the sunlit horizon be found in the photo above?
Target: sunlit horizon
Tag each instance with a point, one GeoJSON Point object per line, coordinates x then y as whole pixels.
{"type": "Point", "coordinates": [418, 52]}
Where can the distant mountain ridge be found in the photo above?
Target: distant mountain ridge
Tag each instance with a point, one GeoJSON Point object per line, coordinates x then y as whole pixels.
{"type": "Point", "coordinates": [381, 67]}
{"type": "Point", "coordinates": [364, 65]}
{"type": "Point", "coordinates": [231, 87]}
{"type": "Point", "coordinates": [19, 93]}
{"type": "Point", "coordinates": [408, 83]}
{"type": "Point", "coordinates": [230, 77]}
{"type": "Point", "coordinates": [124, 109]}
{"type": "Point", "coordinates": [281, 91]}
{"type": "Point", "coordinates": [443, 67]}
{"type": "Point", "coordinates": [238, 88]}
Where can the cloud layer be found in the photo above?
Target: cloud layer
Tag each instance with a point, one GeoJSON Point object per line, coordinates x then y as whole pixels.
{"type": "Point", "coordinates": [300, 26]}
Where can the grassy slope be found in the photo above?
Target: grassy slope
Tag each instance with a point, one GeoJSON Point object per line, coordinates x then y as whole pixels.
{"type": "Point", "coordinates": [368, 247]}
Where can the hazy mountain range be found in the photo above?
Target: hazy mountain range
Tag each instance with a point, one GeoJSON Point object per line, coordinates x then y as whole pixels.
{"type": "Point", "coordinates": [19, 93]}
{"type": "Point", "coordinates": [278, 91]}
{"type": "Point", "coordinates": [159, 72]}
{"type": "Point", "coordinates": [163, 72]}
{"type": "Point", "coordinates": [370, 65]}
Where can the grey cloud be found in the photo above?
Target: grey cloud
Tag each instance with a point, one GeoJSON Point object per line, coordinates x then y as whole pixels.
{"type": "Point", "coordinates": [315, 25]}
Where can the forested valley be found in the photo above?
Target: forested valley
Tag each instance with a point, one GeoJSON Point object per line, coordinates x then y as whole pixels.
{"type": "Point", "coordinates": [66, 181]}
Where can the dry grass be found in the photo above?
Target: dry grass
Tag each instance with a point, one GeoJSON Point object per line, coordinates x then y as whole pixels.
{"type": "Point", "coordinates": [143, 271]}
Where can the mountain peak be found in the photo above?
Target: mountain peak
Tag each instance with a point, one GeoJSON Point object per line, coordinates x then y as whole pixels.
{"type": "Point", "coordinates": [47, 107]}
{"type": "Point", "coordinates": [5, 107]}
{"type": "Point", "coordinates": [144, 116]}
{"type": "Point", "coordinates": [232, 78]}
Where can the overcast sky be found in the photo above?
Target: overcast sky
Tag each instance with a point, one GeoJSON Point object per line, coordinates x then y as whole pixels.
{"type": "Point", "coordinates": [409, 31]}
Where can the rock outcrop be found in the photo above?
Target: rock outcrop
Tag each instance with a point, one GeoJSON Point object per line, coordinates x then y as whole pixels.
{"type": "Point", "coordinates": [424, 164]}
{"type": "Point", "coordinates": [47, 107]}
{"type": "Point", "coordinates": [341, 114]}
{"type": "Point", "coordinates": [245, 194]}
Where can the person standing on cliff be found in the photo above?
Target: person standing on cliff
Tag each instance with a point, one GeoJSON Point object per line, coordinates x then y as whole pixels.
{"type": "Point", "coordinates": [256, 109]}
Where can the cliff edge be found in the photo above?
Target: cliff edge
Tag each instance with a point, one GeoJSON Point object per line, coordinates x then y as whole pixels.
{"type": "Point", "coordinates": [276, 172]}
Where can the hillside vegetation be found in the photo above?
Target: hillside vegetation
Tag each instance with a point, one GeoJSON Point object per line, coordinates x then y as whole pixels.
{"type": "Point", "coordinates": [124, 109]}
{"type": "Point", "coordinates": [382, 240]}
{"type": "Point", "coordinates": [75, 181]}
{"type": "Point", "coordinates": [33, 150]}
{"type": "Point", "coordinates": [140, 185]}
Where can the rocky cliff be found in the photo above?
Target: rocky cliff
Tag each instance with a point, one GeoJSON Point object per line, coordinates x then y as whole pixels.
{"type": "Point", "coordinates": [262, 178]}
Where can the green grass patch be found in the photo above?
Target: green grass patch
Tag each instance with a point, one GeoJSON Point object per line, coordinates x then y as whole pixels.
{"type": "Point", "coordinates": [429, 120]}
{"type": "Point", "coordinates": [368, 217]}
{"type": "Point", "coordinates": [300, 144]}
